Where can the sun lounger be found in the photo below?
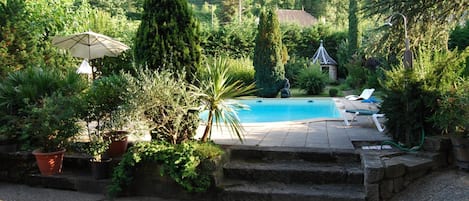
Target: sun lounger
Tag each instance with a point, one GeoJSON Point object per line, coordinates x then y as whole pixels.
{"type": "Point", "coordinates": [366, 94]}
{"type": "Point", "coordinates": [363, 112]}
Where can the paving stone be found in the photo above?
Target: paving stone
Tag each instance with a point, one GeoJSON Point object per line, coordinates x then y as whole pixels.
{"type": "Point", "coordinates": [414, 164]}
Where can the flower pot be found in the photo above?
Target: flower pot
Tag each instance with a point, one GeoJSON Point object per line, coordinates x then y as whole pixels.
{"type": "Point", "coordinates": [100, 169]}
{"type": "Point", "coordinates": [118, 144]}
{"type": "Point", "coordinates": [49, 163]}
{"type": "Point", "coordinates": [461, 151]}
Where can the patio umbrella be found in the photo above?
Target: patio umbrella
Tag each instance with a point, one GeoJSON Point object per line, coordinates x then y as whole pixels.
{"type": "Point", "coordinates": [89, 45]}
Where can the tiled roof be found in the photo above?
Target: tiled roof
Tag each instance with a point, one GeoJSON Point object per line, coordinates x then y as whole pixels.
{"type": "Point", "coordinates": [299, 17]}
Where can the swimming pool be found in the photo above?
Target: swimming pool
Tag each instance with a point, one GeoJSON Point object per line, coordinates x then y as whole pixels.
{"type": "Point", "coordinates": [292, 109]}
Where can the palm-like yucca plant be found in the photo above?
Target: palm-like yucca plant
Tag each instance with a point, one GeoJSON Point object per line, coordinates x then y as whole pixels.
{"type": "Point", "coordinates": [217, 87]}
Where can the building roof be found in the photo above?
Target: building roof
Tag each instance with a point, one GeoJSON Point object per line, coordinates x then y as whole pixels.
{"type": "Point", "coordinates": [299, 17]}
{"type": "Point", "coordinates": [323, 57]}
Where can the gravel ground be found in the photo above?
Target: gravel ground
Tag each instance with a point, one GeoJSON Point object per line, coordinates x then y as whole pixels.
{"type": "Point", "coordinates": [16, 192]}
{"type": "Point", "coordinates": [445, 185]}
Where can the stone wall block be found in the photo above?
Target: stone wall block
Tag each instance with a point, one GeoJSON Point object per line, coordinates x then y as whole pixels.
{"type": "Point", "coordinates": [386, 189]}
{"type": "Point", "coordinates": [374, 169]}
{"type": "Point", "coordinates": [372, 192]}
{"type": "Point", "coordinates": [393, 169]}
{"type": "Point", "coordinates": [398, 184]}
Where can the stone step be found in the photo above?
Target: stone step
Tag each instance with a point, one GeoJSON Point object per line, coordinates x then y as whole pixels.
{"type": "Point", "coordinates": [266, 191]}
{"type": "Point", "coordinates": [295, 171]}
{"type": "Point", "coordinates": [70, 180]}
{"type": "Point", "coordinates": [248, 153]}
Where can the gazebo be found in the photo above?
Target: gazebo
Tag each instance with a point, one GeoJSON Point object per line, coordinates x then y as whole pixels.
{"type": "Point", "coordinates": [327, 63]}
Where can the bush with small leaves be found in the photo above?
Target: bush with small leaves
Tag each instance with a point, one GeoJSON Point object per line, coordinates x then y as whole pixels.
{"type": "Point", "coordinates": [312, 80]}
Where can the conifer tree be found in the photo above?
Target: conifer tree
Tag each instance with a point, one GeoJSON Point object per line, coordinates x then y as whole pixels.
{"type": "Point", "coordinates": [168, 37]}
{"type": "Point", "coordinates": [352, 28]}
{"type": "Point", "coordinates": [270, 72]}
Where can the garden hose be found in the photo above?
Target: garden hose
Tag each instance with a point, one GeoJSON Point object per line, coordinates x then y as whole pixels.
{"type": "Point", "coordinates": [405, 149]}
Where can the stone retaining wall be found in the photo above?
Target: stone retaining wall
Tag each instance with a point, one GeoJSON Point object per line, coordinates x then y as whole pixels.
{"type": "Point", "coordinates": [389, 172]}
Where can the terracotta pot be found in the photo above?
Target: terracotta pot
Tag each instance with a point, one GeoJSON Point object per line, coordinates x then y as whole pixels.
{"type": "Point", "coordinates": [461, 151]}
{"type": "Point", "coordinates": [118, 144]}
{"type": "Point", "coordinates": [100, 169]}
{"type": "Point", "coordinates": [49, 163]}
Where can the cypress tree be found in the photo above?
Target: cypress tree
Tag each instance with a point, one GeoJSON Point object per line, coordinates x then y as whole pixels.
{"type": "Point", "coordinates": [352, 28]}
{"type": "Point", "coordinates": [270, 72]}
{"type": "Point", "coordinates": [168, 37]}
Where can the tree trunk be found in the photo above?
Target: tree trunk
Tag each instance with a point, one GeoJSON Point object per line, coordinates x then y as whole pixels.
{"type": "Point", "coordinates": [208, 128]}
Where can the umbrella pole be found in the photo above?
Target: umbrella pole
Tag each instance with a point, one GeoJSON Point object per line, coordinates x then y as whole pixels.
{"type": "Point", "coordinates": [92, 70]}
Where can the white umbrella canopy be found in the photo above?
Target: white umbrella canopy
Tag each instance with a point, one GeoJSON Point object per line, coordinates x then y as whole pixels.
{"type": "Point", "coordinates": [90, 45]}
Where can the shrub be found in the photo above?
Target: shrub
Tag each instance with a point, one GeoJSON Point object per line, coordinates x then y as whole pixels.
{"type": "Point", "coordinates": [241, 69]}
{"type": "Point", "coordinates": [168, 103]}
{"type": "Point", "coordinates": [293, 68]}
{"type": "Point", "coordinates": [333, 92]}
{"type": "Point", "coordinates": [452, 115]}
{"type": "Point", "coordinates": [357, 74]}
{"type": "Point", "coordinates": [312, 80]}
{"type": "Point", "coordinates": [425, 99]}
{"type": "Point", "coordinates": [406, 105]}
{"type": "Point", "coordinates": [51, 124]}
{"type": "Point", "coordinates": [33, 95]}
{"type": "Point", "coordinates": [106, 103]}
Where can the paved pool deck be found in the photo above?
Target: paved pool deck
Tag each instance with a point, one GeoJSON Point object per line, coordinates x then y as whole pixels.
{"type": "Point", "coordinates": [319, 133]}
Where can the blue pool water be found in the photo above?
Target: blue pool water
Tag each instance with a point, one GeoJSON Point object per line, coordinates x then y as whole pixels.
{"type": "Point", "coordinates": [277, 110]}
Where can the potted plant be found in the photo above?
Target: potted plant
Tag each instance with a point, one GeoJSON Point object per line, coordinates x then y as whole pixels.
{"type": "Point", "coordinates": [38, 111]}
{"type": "Point", "coordinates": [51, 126]}
{"type": "Point", "coordinates": [452, 117]}
{"type": "Point", "coordinates": [108, 109]}
{"type": "Point", "coordinates": [96, 148]}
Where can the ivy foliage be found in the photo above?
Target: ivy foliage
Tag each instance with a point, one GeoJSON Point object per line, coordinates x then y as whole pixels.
{"type": "Point", "coordinates": [182, 162]}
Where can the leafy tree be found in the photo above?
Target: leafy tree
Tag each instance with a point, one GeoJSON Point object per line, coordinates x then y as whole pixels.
{"type": "Point", "coordinates": [428, 23]}
{"type": "Point", "coordinates": [168, 37]}
{"type": "Point", "coordinates": [270, 72]}
{"type": "Point", "coordinates": [27, 28]}
{"type": "Point", "coordinates": [228, 10]}
{"type": "Point", "coordinates": [129, 8]}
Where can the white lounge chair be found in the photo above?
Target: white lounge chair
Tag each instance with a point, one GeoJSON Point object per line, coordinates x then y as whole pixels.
{"type": "Point", "coordinates": [363, 112]}
{"type": "Point", "coordinates": [366, 94]}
